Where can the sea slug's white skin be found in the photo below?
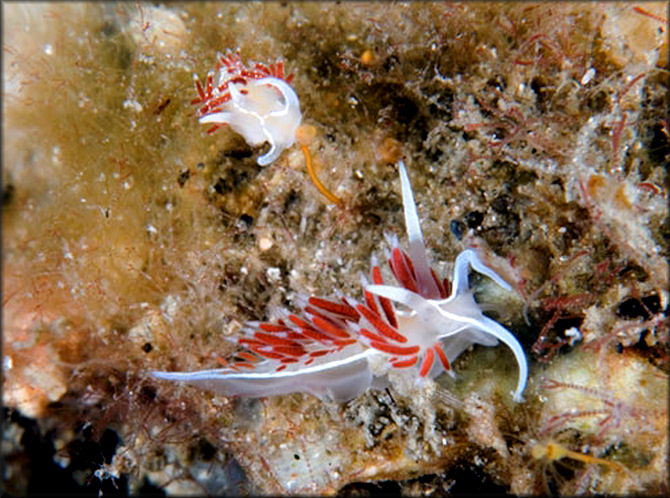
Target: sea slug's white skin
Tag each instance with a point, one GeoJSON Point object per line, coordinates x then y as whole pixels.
{"type": "Point", "coordinates": [269, 111]}
{"type": "Point", "coordinates": [434, 325]}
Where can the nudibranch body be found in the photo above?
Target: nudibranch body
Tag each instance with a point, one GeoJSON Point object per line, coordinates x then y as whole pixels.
{"type": "Point", "coordinates": [256, 101]}
{"type": "Point", "coordinates": [337, 348]}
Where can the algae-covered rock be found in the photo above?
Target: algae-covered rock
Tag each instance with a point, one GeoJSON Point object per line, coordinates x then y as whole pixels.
{"type": "Point", "coordinates": [135, 241]}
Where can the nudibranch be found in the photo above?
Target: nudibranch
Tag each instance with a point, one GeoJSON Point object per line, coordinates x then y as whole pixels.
{"type": "Point", "coordinates": [337, 348]}
{"type": "Point", "coordinates": [256, 101]}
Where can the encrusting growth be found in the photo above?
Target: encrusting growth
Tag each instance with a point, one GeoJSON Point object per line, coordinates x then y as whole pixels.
{"type": "Point", "coordinates": [340, 347]}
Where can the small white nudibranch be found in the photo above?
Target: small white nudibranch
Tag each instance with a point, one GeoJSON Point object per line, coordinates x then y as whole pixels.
{"type": "Point", "coordinates": [337, 348]}
{"type": "Point", "coordinates": [256, 101]}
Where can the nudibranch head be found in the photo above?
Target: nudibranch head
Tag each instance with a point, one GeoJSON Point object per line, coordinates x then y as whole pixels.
{"type": "Point", "coordinates": [337, 348]}
{"type": "Point", "coordinates": [256, 101]}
